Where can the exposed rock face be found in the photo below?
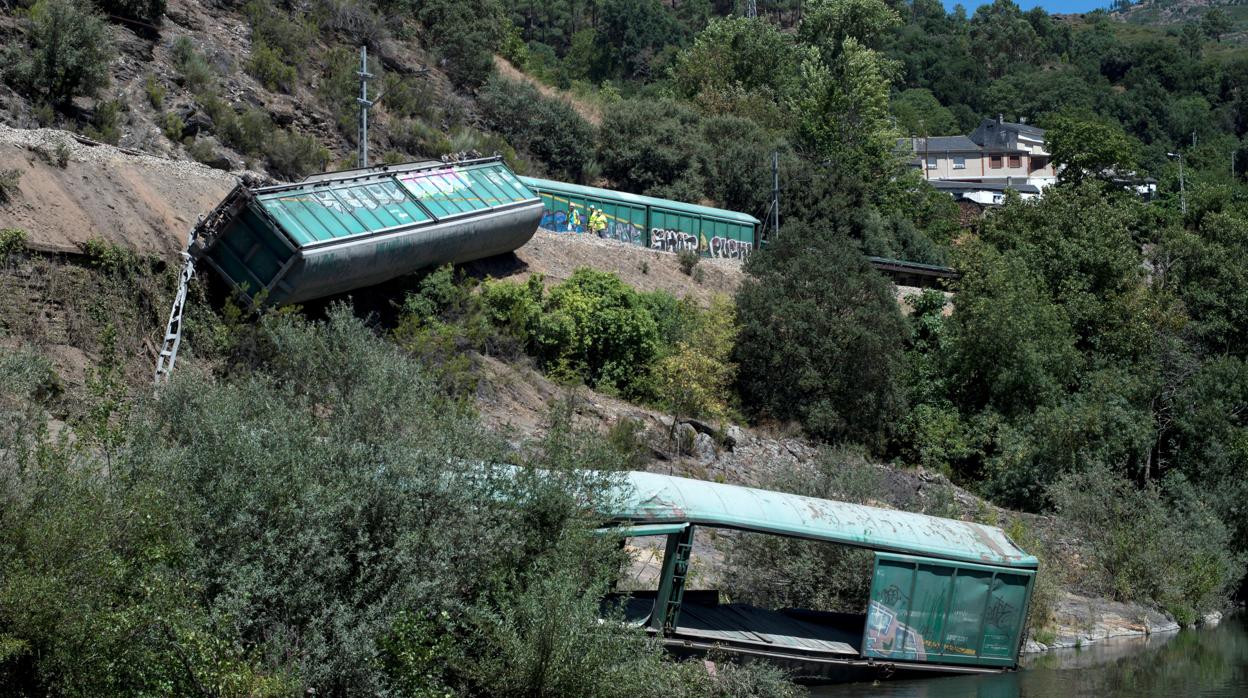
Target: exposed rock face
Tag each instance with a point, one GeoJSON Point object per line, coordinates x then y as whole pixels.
{"type": "Point", "coordinates": [1082, 620]}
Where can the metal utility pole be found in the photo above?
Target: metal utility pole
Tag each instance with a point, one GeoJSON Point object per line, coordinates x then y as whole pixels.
{"type": "Point", "coordinates": [751, 9]}
{"type": "Point", "coordinates": [365, 76]}
{"type": "Point", "coordinates": [775, 192]}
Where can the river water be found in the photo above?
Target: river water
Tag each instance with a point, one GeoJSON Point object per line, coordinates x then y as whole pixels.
{"type": "Point", "coordinates": [1205, 663]}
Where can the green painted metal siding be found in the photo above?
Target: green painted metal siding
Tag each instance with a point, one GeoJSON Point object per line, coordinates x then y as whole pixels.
{"type": "Point", "coordinates": [253, 253]}
{"type": "Point", "coordinates": [643, 220]}
{"type": "Point", "coordinates": [339, 231]}
{"type": "Point", "coordinates": [658, 498]}
{"type": "Point", "coordinates": [319, 212]}
{"type": "Point", "coordinates": [942, 612]}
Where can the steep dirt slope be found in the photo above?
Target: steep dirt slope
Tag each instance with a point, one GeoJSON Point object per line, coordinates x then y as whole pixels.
{"type": "Point", "coordinates": [140, 202]}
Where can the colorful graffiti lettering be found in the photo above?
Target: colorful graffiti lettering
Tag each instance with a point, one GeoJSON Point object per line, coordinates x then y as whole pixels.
{"type": "Point", "coordinates": [624, 232]}
{"type": "Point", "coordinates": [557, 221]}
{"type": "Point", "coordinates": [728, 248]}
{"type": "Point", "coordinates": [672, 240]}
{"type": "Point", "coordinates": [887, 637]}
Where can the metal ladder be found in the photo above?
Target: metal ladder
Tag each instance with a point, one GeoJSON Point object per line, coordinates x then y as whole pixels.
{"type": "Point", "coordinates": [680, 571]}
{"type": "Point", "coordinates": [173, 330]}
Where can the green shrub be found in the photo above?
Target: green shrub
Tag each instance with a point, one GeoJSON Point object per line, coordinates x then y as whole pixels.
{"type": "Point", "coordinates": [266, 65]}
{"type": "Point", "coordinates": [597, 327]}
{"type": "Point", "coordinates": [688, 259]}
{"type": "Point", "coordinates": [1143, 544]}
{"type": "Point", "coordinates": [70, 51]}
{"type": "Point", "coordinates": [293, 155]}
{"type": "Point", "coordinates": [201, 151]}
{"type": "Point", "coordinates": [547, 127]}
{"type": "Point", "coordinates": [106, 121]}
{"type": "Point", "coordinates": [173, 127]}
{"type": "Point", "coordinates": [516, 309]}
{"type": "Point", "coordinates": [61, 155]}
{"type": "Point", "coordinates": [155, 92]}
{"type": "Point", "coordinates": [108, 256]}
{"type": "Point", "coordinates": [696, 379]}
{"type": "Point", "coordinates": [194, 73]}
{"type": "Point", "coordinates": [9, 183]}
{"type": "Point", "coordinates": [418, 138]}
{"type": "Point", "coordinates": [287, 37]}
{"type": "Point", "coordinates": [626, 436]}
{"type": "Point", "coordinates": [12, 242]}
{"type": "Point", "coordinates": [248, 132]}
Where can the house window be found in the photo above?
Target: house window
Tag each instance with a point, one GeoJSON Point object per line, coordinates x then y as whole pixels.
{"type": "Point", "coordinates": [1039, 163]}
{"type": "Point", "coordinates": [931, 162]}
{"type": "Point", "coordinates": [959, 162]}
{"type": "Point", "coordinates": [1016, 161]}
{"type": "Point", "coordinates": [994, 162]}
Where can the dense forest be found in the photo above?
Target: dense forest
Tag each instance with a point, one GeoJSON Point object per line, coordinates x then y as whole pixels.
{"type": "Point", "coordinates": [273, 522]}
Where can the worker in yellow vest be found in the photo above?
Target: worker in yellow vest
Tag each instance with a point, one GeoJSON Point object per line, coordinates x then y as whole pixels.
{"type": "Point", "coordinates": [597, 221]}
{"type": "Point", "coordinates": [574, 220]}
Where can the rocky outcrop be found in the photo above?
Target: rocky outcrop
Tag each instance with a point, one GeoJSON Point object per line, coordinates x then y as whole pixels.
{"type": "Point", "coordinates": [1083, 620]}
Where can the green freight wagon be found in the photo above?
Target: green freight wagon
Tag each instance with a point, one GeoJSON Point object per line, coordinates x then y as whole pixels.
{"type": "Point", "coordinates": [659, 224]}
{"type": "Point", "coordinates": [946, 596]}
{"type": "Point", "coordinates": [340, 231]}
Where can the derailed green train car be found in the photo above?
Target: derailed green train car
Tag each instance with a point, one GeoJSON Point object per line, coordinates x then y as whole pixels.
{"type": "Point", "coordinates": [659, 224]}
{"type": "Point", "coordinates": [946, 596]}
{"type": "Point", "coordinates": [340, 231]}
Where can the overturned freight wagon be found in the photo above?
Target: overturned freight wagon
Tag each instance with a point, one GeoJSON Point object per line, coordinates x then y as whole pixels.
{"type": "Point", "coordinates": [946, 596]}
{"type": "Point", "coordinates": [340, 231]}
{"type": "Point", "coordinates": [659, 224]}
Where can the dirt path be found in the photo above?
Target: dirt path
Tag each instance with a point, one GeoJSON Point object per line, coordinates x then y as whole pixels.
{"type": "Point", "coordinates": [589, 112]}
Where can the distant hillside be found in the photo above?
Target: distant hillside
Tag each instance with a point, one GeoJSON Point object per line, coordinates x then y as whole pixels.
{"type": "Point", "coordinates": [1180, 12]}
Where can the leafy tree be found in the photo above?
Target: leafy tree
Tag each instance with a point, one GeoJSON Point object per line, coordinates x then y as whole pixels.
{"type": "Point", "coordinates": [547, 127]}
{"type": "Point", "coordinates": [1084, 148]}
{"type": "Point", "coordinates": [737, 170]}
{"type": "Point", "coordinates": [653, 147]}
{"type": "Point", "coordinates": [821, 337]}
{"type": "Point", "coordinates": [1079, 242]}
{"type": "Point", "coordinates": [465, 33]}
{"type": "Point", "coordinates": [918, 112]}
{"type": "Point", "coordinates": [1215, 23]}
{"type": "Point", "coordinates": [696, 379]}
{"type": "Point", "coordinates": [1002, 37]}
{"type": "Point", "coordinates": [842, 112]}
{"type": "Point", "coordinates": [1191, 39]}
{"type": "Point", "coordinates": [736, 53]}
{"type": "Point", "coordinates": [636, 32]}
{"type": "Point", "coordinates": [1011, 348]}
{"type": "Point", "coordinates": [69, 52]}
{"type": "Point", "coordinates": [827, 24]}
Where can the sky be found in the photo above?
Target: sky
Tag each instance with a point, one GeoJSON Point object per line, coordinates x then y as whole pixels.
{"type": "Point", "coordinates": [1053, 6]}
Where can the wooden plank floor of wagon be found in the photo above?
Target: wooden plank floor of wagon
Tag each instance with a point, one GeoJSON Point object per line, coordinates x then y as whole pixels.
{"type": "Point", "coordinates": [742, 623]}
